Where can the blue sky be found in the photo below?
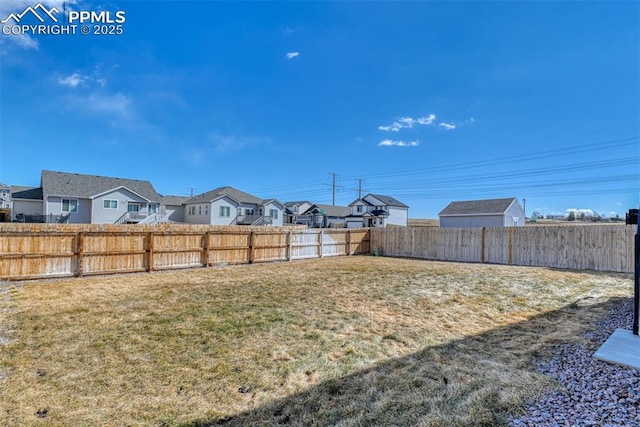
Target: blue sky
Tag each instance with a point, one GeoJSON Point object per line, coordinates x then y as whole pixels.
{"type": "Point", "coordinates": [429, 102]}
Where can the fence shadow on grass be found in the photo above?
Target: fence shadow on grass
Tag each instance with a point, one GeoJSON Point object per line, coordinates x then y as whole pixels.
{"type": "Point", "coordinates": [475, 381]}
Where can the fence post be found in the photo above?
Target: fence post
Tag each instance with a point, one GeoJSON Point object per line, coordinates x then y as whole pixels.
{"type": "Point", "coordinates": [79, 253]}
{"type": "Point", "coordinates": [347, 237]}
{"type": "Point", "coordinates": [484, 235]}
{"type": "Point", "coordinates": [289, 245]}
{"type": "Point", "coordinates": [320, 248]}
{"type": "Point", "coordinates": [251, 243]}
{"type": "Point", "coordinates": [150, 238]}
{"type": "Point", "coordinates": [510, 261]}
{"type": "Point", "coordinates": [205, 249]}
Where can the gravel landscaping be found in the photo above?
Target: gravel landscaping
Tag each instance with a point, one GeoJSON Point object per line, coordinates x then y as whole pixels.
{"type": "Point", "coordinates": [591, 392]}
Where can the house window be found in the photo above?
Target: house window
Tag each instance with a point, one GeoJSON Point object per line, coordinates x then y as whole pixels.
{"type": "Point", "coordinates": [359, 208]}
{"type": "Point", "coordinates": [206, 209]}
{"type": "Point", "coordinates": [70, 205]}
{"type": "Point", "coordinates": [133, 207]}
{"type": "Point", "coordinates": [273, 213]}
{"type": "Point", "coordinates": [192, 210]}
{"type": "Point", "coordinates": [153, 208]}
{"type": "Point", "coordinates": [200, 210]}
{"type": "Point", "coordinates": [110, 204]}
{"type": "Point", "coordinates": [225, 211]}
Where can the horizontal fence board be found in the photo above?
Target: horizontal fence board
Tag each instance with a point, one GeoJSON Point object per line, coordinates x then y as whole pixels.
{"type": "Point", "coordinates": [586, 247]}
{"type": "Point", "coordinates": [47, 250]}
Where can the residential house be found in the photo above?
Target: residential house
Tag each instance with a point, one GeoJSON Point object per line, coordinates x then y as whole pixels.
{"type": "Point", "coordinates": [230, 206]}
{"type": "Point", "coordinates": [5, 203]}
{"type": "Point", "coordinates": [483, 213]}
{"type": "Point", "coordinates": [294, 212]}
{"type": "Point", "coordinates": [377, 210]}
{"type": "Point", "coordinates": [174, 207]}
{"type": "Point", "coordinates": [326, 216]}
{"type": "Point", "coordinates": [88, 199]}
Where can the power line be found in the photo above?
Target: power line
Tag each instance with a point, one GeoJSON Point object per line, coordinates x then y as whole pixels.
{"type": "Point", "coordinates": [333, 188]}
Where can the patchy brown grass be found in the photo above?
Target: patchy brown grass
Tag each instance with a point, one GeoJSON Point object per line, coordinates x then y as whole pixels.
{"type": "Point", "coordinates": [338, 341]}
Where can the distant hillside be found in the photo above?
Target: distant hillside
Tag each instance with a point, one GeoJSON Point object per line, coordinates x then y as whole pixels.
{"type": "Point", "coordinates": [423, 222]}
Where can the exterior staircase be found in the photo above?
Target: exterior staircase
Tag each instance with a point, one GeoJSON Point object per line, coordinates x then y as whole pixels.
{"type": "Point", "coordinates": [143, 218]}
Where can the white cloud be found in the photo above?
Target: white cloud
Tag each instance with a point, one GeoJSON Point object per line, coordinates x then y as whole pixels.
{"type": "Point", "coordinates": [392, 143]}
{"type": "Point", "coordinates": [408, 123]}
{"type": "Point", "coordinates": [225, 143]}
{"type": "Point", "coordinates": [288, 31]}
{"type": "Point", "coordinates": [73, 80]}
{"type": "Point", "coordinates": [22, 41]}
{"type": "Point", "coordinates": [618, 204]}
{"type": "Point", "coordinates": [292, 55]}
{"type": "Point", "coordinates": [77, 79]}
{"type": "Point", "coordinates": [395, 127]}
{"type": "Point", "coordinates": [447, 126]}
{"type": "Point", "coordinates": [117, 104]}
{"type": "Point", "coordinates": [116, 109]}
{"type": "Point", "coordinates": [427, 120]}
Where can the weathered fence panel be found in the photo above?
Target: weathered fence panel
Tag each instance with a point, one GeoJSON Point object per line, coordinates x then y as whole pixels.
{"type": "Point", "coordinates": [37, 255]}
{"type": "Point", "coordinates": [174, 250]}
{"type": "Point", "coordinates": [104, 253]}
{"type": "Point", "coordinates": [305, 244]}
{"type": "Point", "coordinates": [269, 246]}
{"type": "Point", "coordinates": [582, 247]}
{"type": "Point", "coordinates": [334, 243]}
{"type": "Point", "coordinates": [32, 252]}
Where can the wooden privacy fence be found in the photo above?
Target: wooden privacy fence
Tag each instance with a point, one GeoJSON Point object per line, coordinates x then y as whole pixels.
{"type": "Point", "coordinates": [588, 247]}
{"type": "Point", "coordinates": [30, 255]}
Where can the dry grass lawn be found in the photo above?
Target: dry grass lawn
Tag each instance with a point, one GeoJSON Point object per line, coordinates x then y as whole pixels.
{"type": "Point", "coordinates": [336, 341]}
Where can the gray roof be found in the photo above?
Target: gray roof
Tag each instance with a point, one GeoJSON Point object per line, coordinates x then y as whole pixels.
{"type": "Point", "coordinates": [330, 210]}
{"type": "Point", "coordinates": [87, 186]}
{"type": "Point", "coordinates": [173, 200]}
{"type": "Point", "coordinates": [26, 193]}
{"type": "Point", "coordinates": [289, 204]}
{"type": "Point", "coordinates": [2, 185]}
{"type": "Point", "coordinates": [478, 207]}
{"type": "Point", "coordinates": [235, 194]}
{"type": "Point", "coordinates": [388, 200]}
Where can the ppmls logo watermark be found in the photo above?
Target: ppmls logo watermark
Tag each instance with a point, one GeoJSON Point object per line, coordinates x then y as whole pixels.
{"type": "Point", "coordinates": [40, 20]}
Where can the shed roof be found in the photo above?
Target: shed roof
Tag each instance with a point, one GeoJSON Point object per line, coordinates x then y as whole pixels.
{"type": "Point", "coordinates": [478, 207]}
{"type": "Point", "coordinates": [26, 193]}
{"type": "Point", "coordinates": [87, 186]}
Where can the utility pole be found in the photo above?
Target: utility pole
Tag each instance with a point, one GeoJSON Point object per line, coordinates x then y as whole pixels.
{"type": "Point", "coordinates": [191, 189]}
{"type": "Point", "coordinates": [333, 188]}
{"type": "Point", "coordinates": [359, 187]}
